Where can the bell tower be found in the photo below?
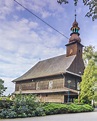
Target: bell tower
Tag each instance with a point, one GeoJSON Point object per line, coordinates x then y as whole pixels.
{"type": "Point", "coordinates": [74, 47]}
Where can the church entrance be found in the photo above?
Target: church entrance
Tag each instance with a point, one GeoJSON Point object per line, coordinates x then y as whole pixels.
{"type": "Point", "coordinates": [69, 98]}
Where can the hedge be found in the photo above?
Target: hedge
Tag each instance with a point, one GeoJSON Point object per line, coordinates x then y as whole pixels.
{"type": "Point", "coordinates": [53, 108]}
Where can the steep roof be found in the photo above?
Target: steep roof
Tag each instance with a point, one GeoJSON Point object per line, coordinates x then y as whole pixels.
{"type": "Point", "coordinates": [52, 66]}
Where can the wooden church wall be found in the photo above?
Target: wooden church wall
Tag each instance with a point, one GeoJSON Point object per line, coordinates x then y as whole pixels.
{"type": "Point", "coordinates": [77, 66]}
{"type": "Point", "coordinates": [52, 98]}
{"type": "Point", "coordinates": [53, 82]}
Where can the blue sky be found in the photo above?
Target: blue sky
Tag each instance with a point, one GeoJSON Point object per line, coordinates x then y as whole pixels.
{"type": "Point", "coordinates": [25, 40]}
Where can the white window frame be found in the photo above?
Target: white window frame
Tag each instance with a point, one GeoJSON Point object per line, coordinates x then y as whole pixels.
{"type": "Point", "coordinates": [37, 85]}
{"type": "Point", "coordinates": [50, 84]}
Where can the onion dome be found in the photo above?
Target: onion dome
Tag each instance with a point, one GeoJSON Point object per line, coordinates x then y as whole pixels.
{"type": "Point", "coordinates": [75, 35]}
{"type": "Point", "coordinates": [75, 24]}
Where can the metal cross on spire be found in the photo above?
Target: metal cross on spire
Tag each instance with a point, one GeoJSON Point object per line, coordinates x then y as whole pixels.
{"type": "Point", "coordinates": [75, 14]}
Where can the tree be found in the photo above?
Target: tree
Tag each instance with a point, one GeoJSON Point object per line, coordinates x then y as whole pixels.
{"type": "Point", "coordinates": [88, 80]}
{"type": "Point", "coordinates": [2, 88]}
{"type": "Point", "coordinates": [95, 57]}
{"type": "Point", "coordinates": [92, 4]}
{"type": "Point", "coordinates": [88, 53]}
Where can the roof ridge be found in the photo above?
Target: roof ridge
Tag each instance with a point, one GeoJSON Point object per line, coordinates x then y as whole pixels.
{"type": "Point", "coordinates": [52, 57]}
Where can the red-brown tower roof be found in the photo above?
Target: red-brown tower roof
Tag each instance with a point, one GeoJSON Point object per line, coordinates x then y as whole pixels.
{"type": "Point", "coordinates": [75, 35]}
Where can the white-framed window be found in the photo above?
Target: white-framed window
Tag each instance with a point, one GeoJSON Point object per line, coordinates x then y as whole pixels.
{"type": "Point", "coordinates": [50, 84]}
{"type": "Point", "coordinates": [37, 85]}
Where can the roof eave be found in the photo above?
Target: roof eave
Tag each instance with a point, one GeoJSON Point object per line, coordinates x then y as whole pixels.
{"type": "Point", "coordinates": [61, 73]}
{"type": "Point", "coordinates": [74, 43]}
{"type": "Point", "coordinates": [72, 73]}
{"type": "Point", "coordinates": [65, 89]}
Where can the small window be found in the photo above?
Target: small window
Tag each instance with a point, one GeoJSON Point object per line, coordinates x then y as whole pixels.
{"type": "Point", "coordinates": [50, 84]}
{"type": "Point", "coordinates": [37, 85]}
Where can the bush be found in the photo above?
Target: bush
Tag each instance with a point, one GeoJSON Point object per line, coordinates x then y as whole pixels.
{"type": "Point", "coordinates": [39, 111]}
{"type": "Point", "coordinates": [27, 106]}
{"type": "Point", "coordinates": [76, 101]}
{"type": "Point", "coordinates": [87, 108]}
{"type": "Point", "coordinates": [54, 108]}
{"type": "Point", "coordinates": [23, 106]}
{"type": "Point", "coordinates": [5, 103]}
{"type": "Point", "coordinates": [80, 108]}
{"type": "Point", "coordinates": [8, 113]}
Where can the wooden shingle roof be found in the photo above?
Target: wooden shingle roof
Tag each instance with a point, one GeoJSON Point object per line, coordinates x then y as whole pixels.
{"type": "Point", "coordinates": [52, 66]}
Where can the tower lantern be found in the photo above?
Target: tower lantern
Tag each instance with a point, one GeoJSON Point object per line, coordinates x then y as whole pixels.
{"type": "Point", "coordinates": [75, 32]}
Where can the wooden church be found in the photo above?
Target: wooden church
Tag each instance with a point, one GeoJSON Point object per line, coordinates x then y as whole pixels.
{"type": "Point", "coordinates": [55, 79]}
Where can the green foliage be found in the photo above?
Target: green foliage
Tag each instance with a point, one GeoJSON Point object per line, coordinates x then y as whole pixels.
{"type": "Point", "coordinates": [74, 108]}
{"type": "Point", "coordinates": [2, 88]}
{"type": "Point", "coordinates": [53, 108]}
{"type": "Point", "coordinates": [88, 79]}
{"type": "Point", "coordinates": [95, 91]}
{"type": "Point", "coordinates": [66, 1]}
{"type": "Point", "coordinates": [89, 53]}
{"type": "Point", "coordinates": [22, 100]}
{"type": "Point", "coordinates": [39, 111]}
{"type": "Point", "coordinates": [60, 1]}
{"type": "Point", "coordinates": [76, 101]}
{"type": "Point", "coordinates": [5, 103]}
{"type": "Point", "coordinates": [92, 4]}
{"type": "Point", "coordinates": [8, 113]}
{"type": "Point", "coordinates": [92, 8]}
{"type": "Point", "coordinates": [22, 106]}
{"type": "Point", "coordinates": [27, 106]}
{"type": "Point", "coordinates": [5, 108]}
{"type": "Point", "coordinates": [96, 104]}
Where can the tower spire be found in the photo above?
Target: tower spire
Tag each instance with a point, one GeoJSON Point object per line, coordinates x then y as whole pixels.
{"type": "Point", "coordinates": [75, 31]}
{"type": "Point", "coordinates": [75, 14]}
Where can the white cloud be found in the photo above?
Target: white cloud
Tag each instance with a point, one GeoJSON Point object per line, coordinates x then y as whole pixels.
{"type": "Point", "coordinates": [10, 6]}
{"type": "Point", "coordinates": [22, 46]}
{"type": "Point", "coordinates": [36, 6]}
{"type": "Point", "coordinates": [6, 7]}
